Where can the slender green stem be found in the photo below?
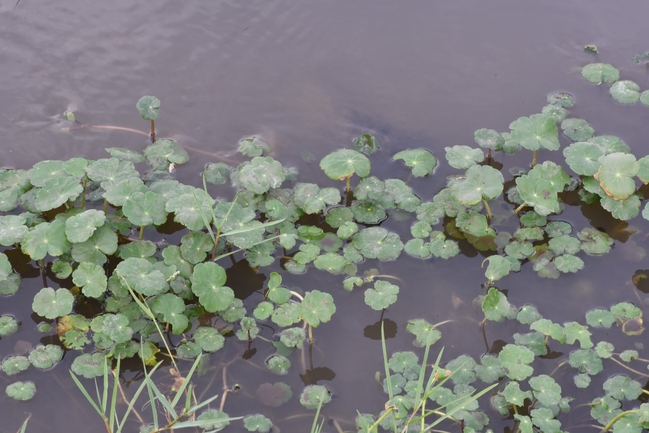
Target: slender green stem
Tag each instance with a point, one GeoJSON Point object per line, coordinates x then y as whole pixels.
{"type": "Point", "coordinates": [381, 418]}
{"type": "Point", "coordinates": [83, 193]}
{"type": "Point", "coordinates": [348, 186]}
{"type": "Point", "coordinates": [534, 159]}
{"type": "Point", "coordinates": [629, 368]}
{"type": "Point", "coordinates": [67, 206]}
{"type": "Point", "coordinates": [519, 208]}
{"type": "Point", "coordinates": [486, 205]}
{"type": "Point", "coordinates": [139, 238]}
{"type": "Point", "coordinates": [617, 418]}
{"type": "Point", "coordinates": [105, 205]}
{"type": "Point", "coordinates": [310, 334]}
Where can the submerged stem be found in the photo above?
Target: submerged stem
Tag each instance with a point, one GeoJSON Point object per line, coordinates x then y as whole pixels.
{"type": "Point", "coordinates": [83, 193]}
{"type": "Point", "coordinates": [139, 238]}
{"type": "Point", "coordinates": [153, 130]}
{"type": "Point", "coordinates": [534, 159]}
{"type": "Point", "coordinates": [486, 205]}
{"type": "Point", "coordinates": [519, 208]}
{"type": "Point", "coordinates": [310, 334]}
{"type": "Point", "coordinates": [348, 186]}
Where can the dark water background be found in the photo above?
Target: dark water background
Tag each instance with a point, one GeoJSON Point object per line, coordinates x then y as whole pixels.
{"type": "Point", "coordinates": [309, 77]}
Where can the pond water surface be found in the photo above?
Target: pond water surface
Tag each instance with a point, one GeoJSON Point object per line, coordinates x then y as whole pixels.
{"type": "Point", "coordinates": [309, 77]}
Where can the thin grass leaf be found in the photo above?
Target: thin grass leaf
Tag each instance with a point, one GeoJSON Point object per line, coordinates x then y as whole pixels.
{"type": "Point", "coordinates": [113, 401]}
{"type": "Point", "coordinates": [134, 399]}
{"type": "Point", "coordinates": [198, 423]}
{"type": "Point", "coordinates": [161, 398]}
{"type": "Point", "coordinates": [249, 229]}
{"type": "Point", "coordinates": [86, 395]}
{"type": "Point", "coordinates": [152, 404]}
{"type": "Point", "coordinates": [244, 249]}
{"type": "Point", "coordinates": [185, 383]}
{"type": "Point", "coordinates": [207, 224]}
{"type": "Point", "coordinates": [188, 399]}
{"type": "Point", "coordinates": [314, 426]}
{"type": "Point", "coordinates": [201, 405]}
{"type": "Point", "coordinates": [387, 371]}
{"type": "Point", "coordinates": [24, 426]}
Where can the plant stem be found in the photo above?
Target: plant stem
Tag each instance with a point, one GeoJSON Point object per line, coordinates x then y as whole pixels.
{"type": "Point", "coordinates": [519, 208]}
{"type": "Point", "coordinates": [533, 159]}
{"type": "Point", "coordinates": [628, 368]}
{"type": "Point", "coordinates": [310, 334]}
{"type": "Point", "coordinates": [486, 205]}
{"type": "Point", "coordinates": [83, 193]}
{"type": "Point", "coordinates": [139, 238]}
{"type": "Point", "coordinates": [617, 418]}
{"type": "Point", "coordinates": [105, 206]}
{"type": "Point", "coordinates": [153, 130]}
{"type": "Point", "coordinates": [348, 186]}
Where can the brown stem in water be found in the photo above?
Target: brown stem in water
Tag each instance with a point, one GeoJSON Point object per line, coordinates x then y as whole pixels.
{"type": "Point", "coordinates": [519, 208]}
{"type": "Point", "coordinates": [153, 130]}
{"type": "Point", "coordinates": [533, 159]}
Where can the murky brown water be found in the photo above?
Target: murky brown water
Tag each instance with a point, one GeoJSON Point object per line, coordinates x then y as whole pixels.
{"type": "Point", "coordinates": [311, 76]}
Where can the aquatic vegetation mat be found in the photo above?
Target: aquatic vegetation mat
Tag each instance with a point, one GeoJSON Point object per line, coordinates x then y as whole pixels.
{"type": "Point", "coordinates": [92, 229]}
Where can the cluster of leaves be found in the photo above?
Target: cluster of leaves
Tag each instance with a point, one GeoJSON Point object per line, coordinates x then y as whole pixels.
{"type": "Point", "coordinates": [85, 222]}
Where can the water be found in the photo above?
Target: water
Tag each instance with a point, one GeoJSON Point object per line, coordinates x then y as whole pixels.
{"type": "Point", "coordinates": [310, 77]}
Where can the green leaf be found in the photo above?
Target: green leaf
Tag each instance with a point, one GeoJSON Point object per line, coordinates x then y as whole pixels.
{"type": "Point", "coordinates": [368, 212]}
{"type": "Point", "coordinates": [261, 174]}
{"type": "Point", "coordinates": [616, 174]}
{"type": "Point", "coordinates": [535, 341]}
{"type": "Point", "coordinates": [208, 338]}
{"type": "Point", "coordinates": [495, 305]}
{"type": "Point", "coordinates": [278, 364]}
{"type": "Point", "coordinates": [377, 243]}
{"type": "Point", "coordinates": [421, 161]}
{"type": "Point", "coordinates": [314, 396]}
{"type": "Point", "coordinates": [625, 310]}
{"type": "Point", "coordinates": [149, 107]}
{"type": "Point", "coordinates": [292, 337]}
{"type": "Point", "coordinates": [115, 326]}
{"type": "Point", "coordinates": [514, 395]}
{"type": "Point", "coordinates": [343, 163]}
{"type": "Point", "coordinates": [582, 380]}
{"type": "Point", "coordinates": [258, 423]}
{"type": "Point", "coordinates": [544, 419]}
{"type": "Point", "coordinates": [190, 206]}
{"type": "Point", "coordinates": [331, 262]}
{"type": "Point", "coordinates": [463, 368]}
{"type": "Point", "coordinates": [51, 304]}
{"type": "Point", "coordinates": [207, 284]}
{"type": "Point", "coordinates": [490, 369]}
{"type": "Point", "coordinates": [171, 307]}
{"type": "Point", "coordinates": [538, 193]}
{"type": "Point", "coordinates": [594, 242]}
{"type": "Point", "coordinates": [311, 199]}
{"type": "Point", "coordinates": [480, 182]}
{"type": "Point", "coordinates": [515, 360]}
{"type": "Point", "coordinates": [194, 246]}
{"type": "Point", "coordinates": [94, 250]}
{"type": "Point", "coordinates": [89, 365]}
{"type": "Point", "coordinates": [21, 390]}
{"type": "Point", "coordinates": [624, 210]}
{"type": "Point", "coordinates": [604, 349]}
{"type": "Point", "coordinates": [164, 151]}
{"type": "Point", "coordinates": [56, 192]}
{"type": "Point", "coordinates": [417, 248]}
{"type": "Point", "coordinates": [528, 314]}
{"type": "Point", "coordinates": [489, 139]}
{"type": "Point", "coordinates": [625, 92]}
{"type": "Point", "coordinates": [286, 314]}
{"type": "Point", "coordinates": [463, 157]}
{"type": "Point", "coordinates": [44, 357]}
{"type": "Point", "coordinates": [629, 355]}
{"type": "Point", "coordinates": [366, 144]}
{"type": "Point", "coordinates": [217, 173]}
{"type": "Point", "coordinates": [568, 263]}
{"type": "Point", "coordinates": [599, 318]}
{"type": "Point", "coordinates": [213, 420]}
{"type": "Point", "coordinates": [12, 229]}
{"type": "Point", "coordinates": [536, 132]}
{"type": "Point", "coordinates": [600, 72]}
{"type": "Point", "coordinates": [142, 276]}
{"type": "Point", "coordinates": [91, 278]}
{"type": "Point", "coordinates": [425, 333]}
{"type": "Point", "coordinates": [14, 364]}
{"type": "Point", "coordinates": [45, 172]}
{"type": "Point", "coordinates": [8, 325]}
{"type": "Point", "coordinates": [143, 209]}
{"type": "Point", "coordinates": [125, 154]}
{"type": "Point", "coordinates": [498, 267]}
{"type": "Point", "coordinates": [561, 99]}
{"type": "Point", "coordinates": [382, 295]}
{"type": "Point", "coordinates": [574, 331]}
{"type": "Point", "coordinates": [577, 129]}
{"type": "Point", "coordinates": [546, 390]}
{"type": "Point", "coordinates": [622, 388]}
{"type": "Point", "coordinates": [337, 216]}
{"type": "Point", "coordinates": [108, 171]}
{"type": "Point", "coordinates": [253, 146]}
{"type": "Point", "coordinates": [80, 227]}
{"type": "Point", "coordinates": [248, 329]}
{"type": "Point", "coordinates": [317, 307]}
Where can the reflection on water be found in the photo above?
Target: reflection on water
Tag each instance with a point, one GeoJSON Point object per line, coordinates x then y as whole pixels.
{"type": "Point", "coordinates": [310, 77]}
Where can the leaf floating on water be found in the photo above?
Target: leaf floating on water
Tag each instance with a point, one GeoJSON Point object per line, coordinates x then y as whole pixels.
{"type": "Point", "coordinates": [597, 73]}
{"type": "Point", "coordinates": [149, 107]}
{"type": "Point", "coordinates": [314, 396]}
{"type": "Point", "coordinates": [421, 161]}
{"type": "Point", "coordinates": [21, 390]}
{"type": "Point", "coordinates": [625, 92]}
{"type": "Point", "coordinates": [343, 163]}
{"type": "Point", "coordinates": [253, 146]}
{"type": "Point", "coordinates": [366, 144]}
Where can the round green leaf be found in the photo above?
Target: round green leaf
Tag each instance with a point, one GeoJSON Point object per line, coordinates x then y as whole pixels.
{"type": "Point", "coordinates": [546, 390]}
{"type": "Point", "coordinates": [91, 278]}
{"type": "Point", "coordinates": [586, 361]}
{"type": "Point", "coordinates": [366, 144]}
{"type": "Point", "coordinates": [261, 175]}
{"type": "Point", "coordinates": [8, 325]}
{"type": "Point", "coordinates": [536, 132]}
{"type": "Point", "coordinates": [498, 267]}
{"type": "Point", "coordinates": [622, 388]}
{"type": "Point", "coordinates": [382, 295]}
{"type": "Point", "coordinates": [292, 337]}
{"type": "Point", "coordinates": [80, 227]}
{"type": "Point", "coordinates": [480, 182]}
{"type": "Point", "coordinates": [377, 243]}
{"type": "Point", "coordinates": [317, 307]}
{"type": "Point", "coordinates": [463, 157]}
{"type": "Point", "coordinates": [171, 307]}
{"type": "Point", "coordinates": [124, 154]}
{"type": "Point", "coordinates": [488, 139]}
{"type": "Point", "coordinates": [51, 304]}
{"type": "Point", "coordinates": [142, 276]}
{"type": "Point", "coordinates": [217, 173]}
{"type": "Point", "coordinates": [21, 390]}
{"type": "Point", "coordinates": [568, 263]}
{"type": "Point", "coordinates": [278, 364]}
{"type": "Point", "coordinates": [208, 338]}
{"type": "Point", "coordinates": [46, 238]}
{"type": "Point", "coordinates": [253, 146]}
{"type": "Point", "coordinates": [314, 396]}
{"type": "Point", "coordinates": [421, 161]}
{"type": "Point", "coordinates": [600, 72]}
{"type": "Point", "coordinates": [425, 333]}
{"type": "Point", "coordinates": [624, 210]}
{"type": "Point", "coordinates": [14, 364]}
{"type": "Point", "coordinates": [207, 284]}
{"type": "Point", "coordinates": [165, 151]}
{"type": "Point", "coordinates": [149, 107]}
{"type": "Point", "coordinates": [583, 157]}
{"type": "Point", "coordinates": [515, 360]}
{"type": "Point", "coordinates": [625, 92]}
{"type": "Point", "coordinates": [331, 262]}
{"type": "Point", "coordinates": [143, 209]}
{"type": "Point", "coordinates": [89, 365]}
{"type": "Point", "coordinates": [616, 174]}
{"type": "Point", "coordinates": [258, 423]}
{"type": "Point", "coordinates": [194, 246]}
{"type": "Point", "coordinates": [311, 199]}
{"type": "Point", "coordinates": [577, 129]}
{"type": "Point", "coordinates": [12, 229]}
{"type": "Point", "coordinates": [495, 305]}
{"type": "Point", "coordinates": [45, 357]}
{"type": "Point", "coordinates": [343, 163]}
{"type": "Point", "coordinates": [538, 193]}
{"type": "Point", "coordinates": [56, 192]}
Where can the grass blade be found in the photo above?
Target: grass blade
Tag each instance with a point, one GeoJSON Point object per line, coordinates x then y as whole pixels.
{"type": "Point", "coordinates": [186, 381]}
{"type": "Point", "coordinates": [86, 395]}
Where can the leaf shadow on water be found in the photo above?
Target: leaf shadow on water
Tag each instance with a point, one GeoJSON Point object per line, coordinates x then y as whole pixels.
{"type": "Point", "coordinates": [373, 331]}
